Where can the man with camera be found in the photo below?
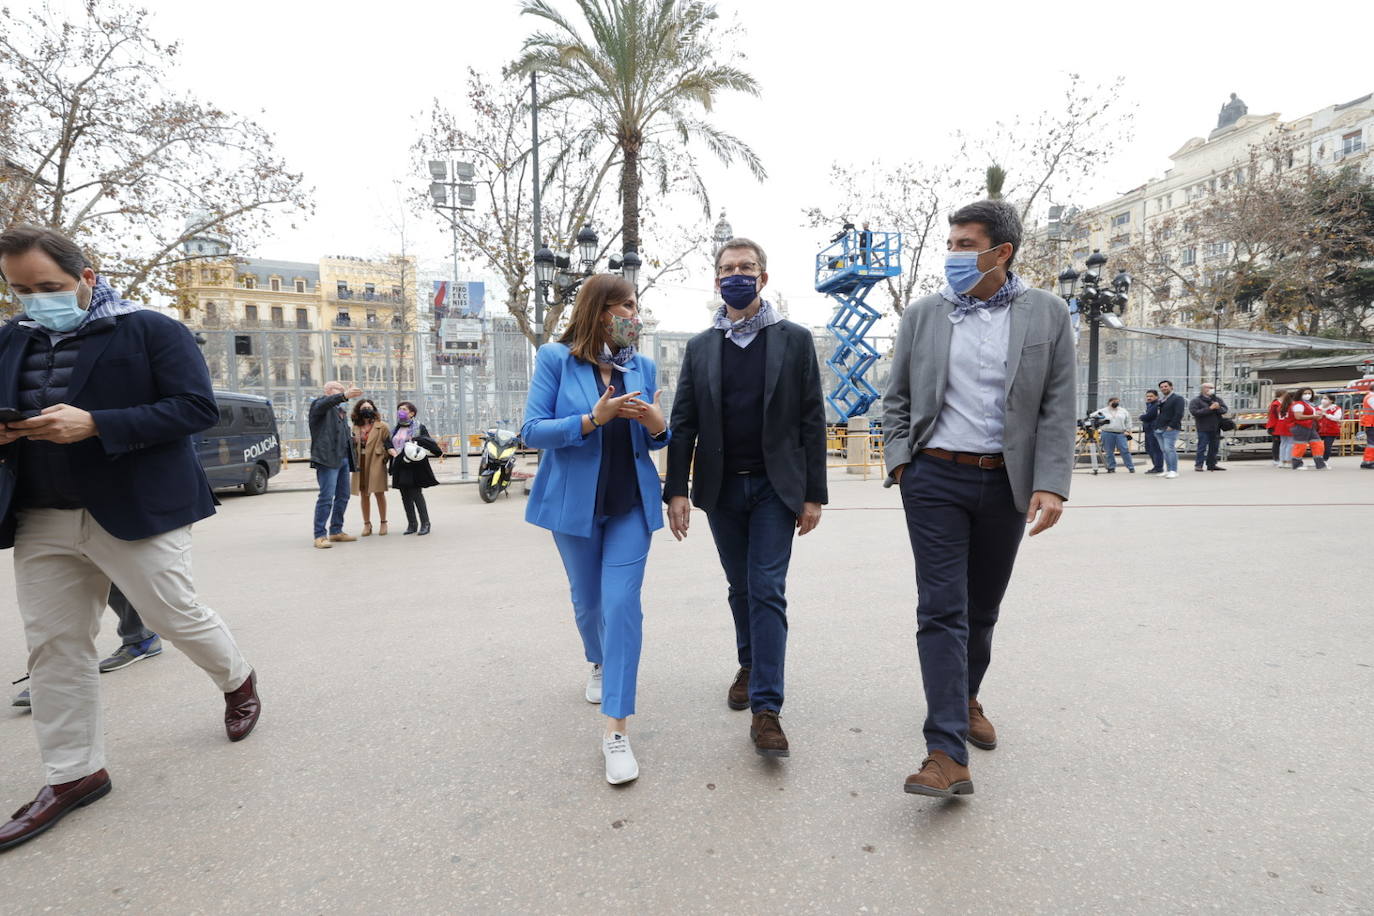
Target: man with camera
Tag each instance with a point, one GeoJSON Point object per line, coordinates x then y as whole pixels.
{"type": "Point", "coordinates": [331, 455]}
{"type": "Point", "coordinates": [99, 483]}
{"type": "Point", "coordinates": [1113, 424]}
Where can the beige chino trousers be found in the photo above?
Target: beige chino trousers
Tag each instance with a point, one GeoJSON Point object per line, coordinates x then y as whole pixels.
{"type": "Point", "coordinates": [63, 565]}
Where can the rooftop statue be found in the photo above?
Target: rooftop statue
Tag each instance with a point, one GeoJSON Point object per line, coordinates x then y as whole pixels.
{"type": "Point", "coordinates": [1231, 112]}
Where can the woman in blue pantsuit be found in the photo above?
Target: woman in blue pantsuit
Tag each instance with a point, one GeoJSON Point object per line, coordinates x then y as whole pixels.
{"type": "Point", "coordinates": [593, 409]}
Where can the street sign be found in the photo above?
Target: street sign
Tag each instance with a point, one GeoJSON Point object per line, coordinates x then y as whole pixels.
{"type": "Point", "coordinates": [458, 323]}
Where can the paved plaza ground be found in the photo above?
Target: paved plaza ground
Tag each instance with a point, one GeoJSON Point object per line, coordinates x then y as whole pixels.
{"type": "Point", "coordinates": [1182, 685]}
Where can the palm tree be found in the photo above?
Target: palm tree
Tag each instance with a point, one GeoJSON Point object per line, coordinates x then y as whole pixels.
{"type": "Point", "coordinates": [643, 67]}
{"type": "Point", "coordinates": [996, 177]}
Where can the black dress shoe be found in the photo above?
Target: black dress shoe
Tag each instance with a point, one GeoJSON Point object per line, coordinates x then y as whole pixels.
{"type": "Point", "coordinates": [52, 804]}
{"type": "Point", "coordinates": [242, 708]}
{"type": "Point", "coordinates": [1216, 469]}
{"type": "Point", "coordinates": [424, 529]}
{"type": "Point", "coordinates": [410, 529]}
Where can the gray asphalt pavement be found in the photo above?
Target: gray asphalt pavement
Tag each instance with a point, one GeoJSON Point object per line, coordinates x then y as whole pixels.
{"type": "Point", "coordinates": [1182, 684]}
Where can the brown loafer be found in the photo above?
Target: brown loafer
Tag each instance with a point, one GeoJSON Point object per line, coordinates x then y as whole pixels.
{"type": "Point", "coordinates": [980, 730]}
{"type": "Point", "coordinates": [342, 536]}
{"type": "Point", "coordinates": [323, 543]}
{"type": "Point", "coordinates": [52, 804]}
{"type": "Point", "coordinates": [940, 777]}
{"type": "Point", "coordinates": [766, 733]}
{"type": "Point", "coordinates": [242, 708]}
{"type": "Point", "coordinates": [738, 696]}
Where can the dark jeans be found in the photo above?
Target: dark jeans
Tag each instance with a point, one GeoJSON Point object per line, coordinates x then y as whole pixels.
{"type": "Point", "coordinates": [333, 499]}
{"type": "Point", "coordinates": [965, 531]}
{"type": "Point", "coordinates": [1208, 444]}
{"type": "Point", "coordinates": [131, 628]}
{"type": "Point", "coordinates": [753, 531]}
{"type": "Point", "coordinates": [413, 500]}
{"type": "Point", "coordinates": [1330, 443]}
{"type": "Point", "coordinates": [1152, 449]}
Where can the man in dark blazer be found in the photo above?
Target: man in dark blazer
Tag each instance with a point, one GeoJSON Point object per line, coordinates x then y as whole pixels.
{"type": "Point", "coordinates": [749, 425]}
{"type": "Point", "coordinates": [978, 428]}
{"type": "Point", "coordinates": [99, 483]}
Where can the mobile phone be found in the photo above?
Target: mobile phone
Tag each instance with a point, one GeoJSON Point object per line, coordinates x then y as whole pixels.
{"type": "Point", "coordinates": [10, 415]}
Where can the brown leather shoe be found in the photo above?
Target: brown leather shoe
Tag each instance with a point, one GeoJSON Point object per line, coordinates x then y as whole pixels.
{"type": "Point", "coordinates": [242, 708]}
{"type": "Point", "coordinates": [738, 696]}
{"type": "Point", "coordinates": [342, 536]}
{"type": "Point", "coordinates": [940, 777]}
{"type": "Point", "coordinates": [980, 730]}
{"type": "Point", "coordinates": [766, 733]}
{"type": "Point", "coordinates": [52, 804]}
{"type": "Point", "coordinates": [323, 543]}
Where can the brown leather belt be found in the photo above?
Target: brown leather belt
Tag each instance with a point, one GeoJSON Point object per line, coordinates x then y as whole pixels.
{"type": "Point", "coordinates": [986, 462]}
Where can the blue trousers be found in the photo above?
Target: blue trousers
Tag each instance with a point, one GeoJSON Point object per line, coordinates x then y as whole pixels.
{"type": "Point", "coordinates": [1208, 443]}
{"type": "Point", "coordinates": [965, 531]}
{"type": "Point", "coordinates": [606, 573]}
{"type": "Point", "coordinates": [753, 531]}
{"type": "Point", "coordinates": [1153, 450]}
{"type": "Point", "coordinates": [1113, 443]}
{"type": "Point", "coordinates": [1168, 444]}
{"type": "Point", "coordinates": [333, 499]}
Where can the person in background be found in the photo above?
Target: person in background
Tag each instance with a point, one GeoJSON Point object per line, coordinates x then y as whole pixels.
{"type": "Point", "coordinates": [371, 444]}
{"type": "Point", "coordinates": [593, 409]}
{"type": "Point", "coordinates": [1207, 410]}
{"type": "Point", "coordinates": [1367, 424]}
{"type": "Point", "coordinates": [331, 455]}
{"type": "Point", "coordinates": [1116, 434]}
{"type": "Point", "coordinates": [1304, 414]}
{"type": "Point", "coordinates": [412, 475]}
{"type": "Point", "coordinates": [1168, 426]}
{"type": "Point", "coordinates": [1274, 423]}
{"type": "Point", "coordinates": [1329, 425]}
{"type": "Point", "coordinates": [1147, 429]}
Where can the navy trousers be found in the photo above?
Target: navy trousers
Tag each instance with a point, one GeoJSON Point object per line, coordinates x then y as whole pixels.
{"type": "Point", "coordinates": [131, 628]}
{"type": "Point", "coordinates": [753, 531]}
{"type": "Point", "coordinates": [965, 531]}
{"type": "Point", "coordinates": [1152, 449]}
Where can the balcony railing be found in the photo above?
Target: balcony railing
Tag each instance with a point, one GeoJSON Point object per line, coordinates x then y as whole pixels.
{"type": "Point", "coordinates": [353, 295]}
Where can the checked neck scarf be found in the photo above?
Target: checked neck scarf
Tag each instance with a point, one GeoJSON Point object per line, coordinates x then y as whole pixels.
{"type": "Point", "coordinates": [963, 304]}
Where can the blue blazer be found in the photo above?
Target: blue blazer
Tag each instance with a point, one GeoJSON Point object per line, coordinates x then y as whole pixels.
{"type": "Point", "coordinates": [563, 389]}
{"type": "Point", "coordinates": [144, 381]}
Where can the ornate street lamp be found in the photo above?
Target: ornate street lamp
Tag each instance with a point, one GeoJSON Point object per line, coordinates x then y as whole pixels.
{"type": "Point", "coordinates": [558, 279]}
{"type": "Point", "coordinates": [629, 267]}
{"type": "Point", "coordinates": [586, 248]}
{"type": "Point", "coordinates": [1099, 303]}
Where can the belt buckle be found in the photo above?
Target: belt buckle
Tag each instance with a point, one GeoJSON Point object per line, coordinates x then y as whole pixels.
{"type": "Point", "coordinates": [990, 467]}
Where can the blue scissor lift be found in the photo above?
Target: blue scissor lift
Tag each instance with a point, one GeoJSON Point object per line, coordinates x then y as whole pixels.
{"type": "Point", "coordinates": [847, 269]}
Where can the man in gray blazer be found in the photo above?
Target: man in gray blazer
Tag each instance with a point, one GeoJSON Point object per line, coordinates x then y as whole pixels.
{"type": "Point", "coordinates": [749, 425]}
{"type": "Point", "coordinates": [978, 425]}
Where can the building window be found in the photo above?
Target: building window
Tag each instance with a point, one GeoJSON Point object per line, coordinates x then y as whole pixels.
{"type": "Point", "coordinates": [278, 317]}
{"type": "Point", "coordinates": [396, 323]}
{"type": "Point", "coordinates": [1121, 219]}
{"type": "Point", "coordinates": [302, 318]}
{"type": "Point", "coordinates": [396, 293]}
{"type": "Point", "coordinates": [275, 283]}
{"type": "Point", "coordinates": [369, 291]}
{"type": "Point", "coordinates": [300, 286]}
{"type": "Point", "coordinates": [345, 373]}
{"type": "Point", "coordinates": [371, 318]}
{"type": "Point", "coordinates": [250, 282]}
{"type": "Point", "coordinates": [1352, 143]}
{"type": "Point", "coordinates": [250, 314]}
{"type": "Point", "coordinates": [210, 314]}
{"type": "Point", "coordinates": [1189, 256]}
{"type": "Point", "coordinates": [343, 342]}
{"type": "Point", "coordinates": [342, 318]}
{"type": "Point", "coordinates": [279, 373]}
{"type": "Point", "coordinates": [1215, 250]}
{"type": "Point", "coordinates": [343, 290]}
{"type": "Point", "coordinates": [372, 343]}
{"type": "Point", "coordinates": [1164, 292]}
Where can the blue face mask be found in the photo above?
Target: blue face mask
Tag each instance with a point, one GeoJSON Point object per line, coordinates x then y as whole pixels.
{"type": "Point", "coordinates": [55, 311]}
{"type": "Point", "coordinates": [961, 270]}
{"type": "Point", "coordinates": [738, 290]}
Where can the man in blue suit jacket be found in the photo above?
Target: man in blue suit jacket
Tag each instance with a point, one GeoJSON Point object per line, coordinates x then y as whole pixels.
{"type": "Point", "coordinates": [99, 483]}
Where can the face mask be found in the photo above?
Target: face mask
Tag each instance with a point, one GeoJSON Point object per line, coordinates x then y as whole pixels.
{"type": "Point", "coordinates": [402, 416]}
{"type": "Point", "coordinates": [625, 331]}
{"type": "Point", "coordinates": [961, 270]}
{"type": "Point", "coordinates": [1113, 405]}
{"type": "Point", "coordinates": [1307, 397]}
{"type": "Point", "coordinates": [54, 311]}
{"type": "Point", "coordinates": [366, 414]}
{"type": "Point", "coordinates": [739, 290]}
{"type": "Point", "coordinates": [1326, 402]}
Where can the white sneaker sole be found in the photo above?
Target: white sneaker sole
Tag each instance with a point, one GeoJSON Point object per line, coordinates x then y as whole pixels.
{"type": "Point", "coordinates": [624, 779]}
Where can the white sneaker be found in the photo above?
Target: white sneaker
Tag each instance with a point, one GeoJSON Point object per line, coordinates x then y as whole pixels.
{"type": "Point", "coordinates": [1170, 475]}
{"type": "Point", "coordinates": [621, 765]}
{"type": "Point", "coordinates": [1278, 464]}
{"type": "Point", "coordinates": [594, 685]}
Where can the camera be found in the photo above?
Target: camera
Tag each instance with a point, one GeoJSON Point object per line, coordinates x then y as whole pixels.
{"type": "Point", "coordinates": [1092, 422]}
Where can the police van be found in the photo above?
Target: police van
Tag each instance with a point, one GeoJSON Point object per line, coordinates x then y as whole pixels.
{"type": "Point", "coordinates": [243, 448]}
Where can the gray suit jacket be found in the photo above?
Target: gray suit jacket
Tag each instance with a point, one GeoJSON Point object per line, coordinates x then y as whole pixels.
{"type": "Point", "coordinates": [1039, 434]}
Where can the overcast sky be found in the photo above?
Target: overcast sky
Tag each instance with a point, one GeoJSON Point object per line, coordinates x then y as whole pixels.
{"type": "Point", "coordinates": [341, 84]}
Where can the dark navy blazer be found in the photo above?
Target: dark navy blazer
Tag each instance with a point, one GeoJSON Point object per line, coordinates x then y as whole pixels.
{"type": "Point", "coordinates": [144, 381]}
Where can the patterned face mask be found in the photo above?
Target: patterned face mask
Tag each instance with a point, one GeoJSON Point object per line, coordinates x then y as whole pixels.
{"type": "Point", "coordinates": [625, 331]}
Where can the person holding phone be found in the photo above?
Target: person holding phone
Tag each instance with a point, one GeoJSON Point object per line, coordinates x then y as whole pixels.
{"type": "Point", "coordinates": [593, 409]}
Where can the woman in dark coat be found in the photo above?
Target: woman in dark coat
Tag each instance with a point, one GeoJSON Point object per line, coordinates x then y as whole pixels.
{"type": "Point", "coordinates": [411, 477]}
